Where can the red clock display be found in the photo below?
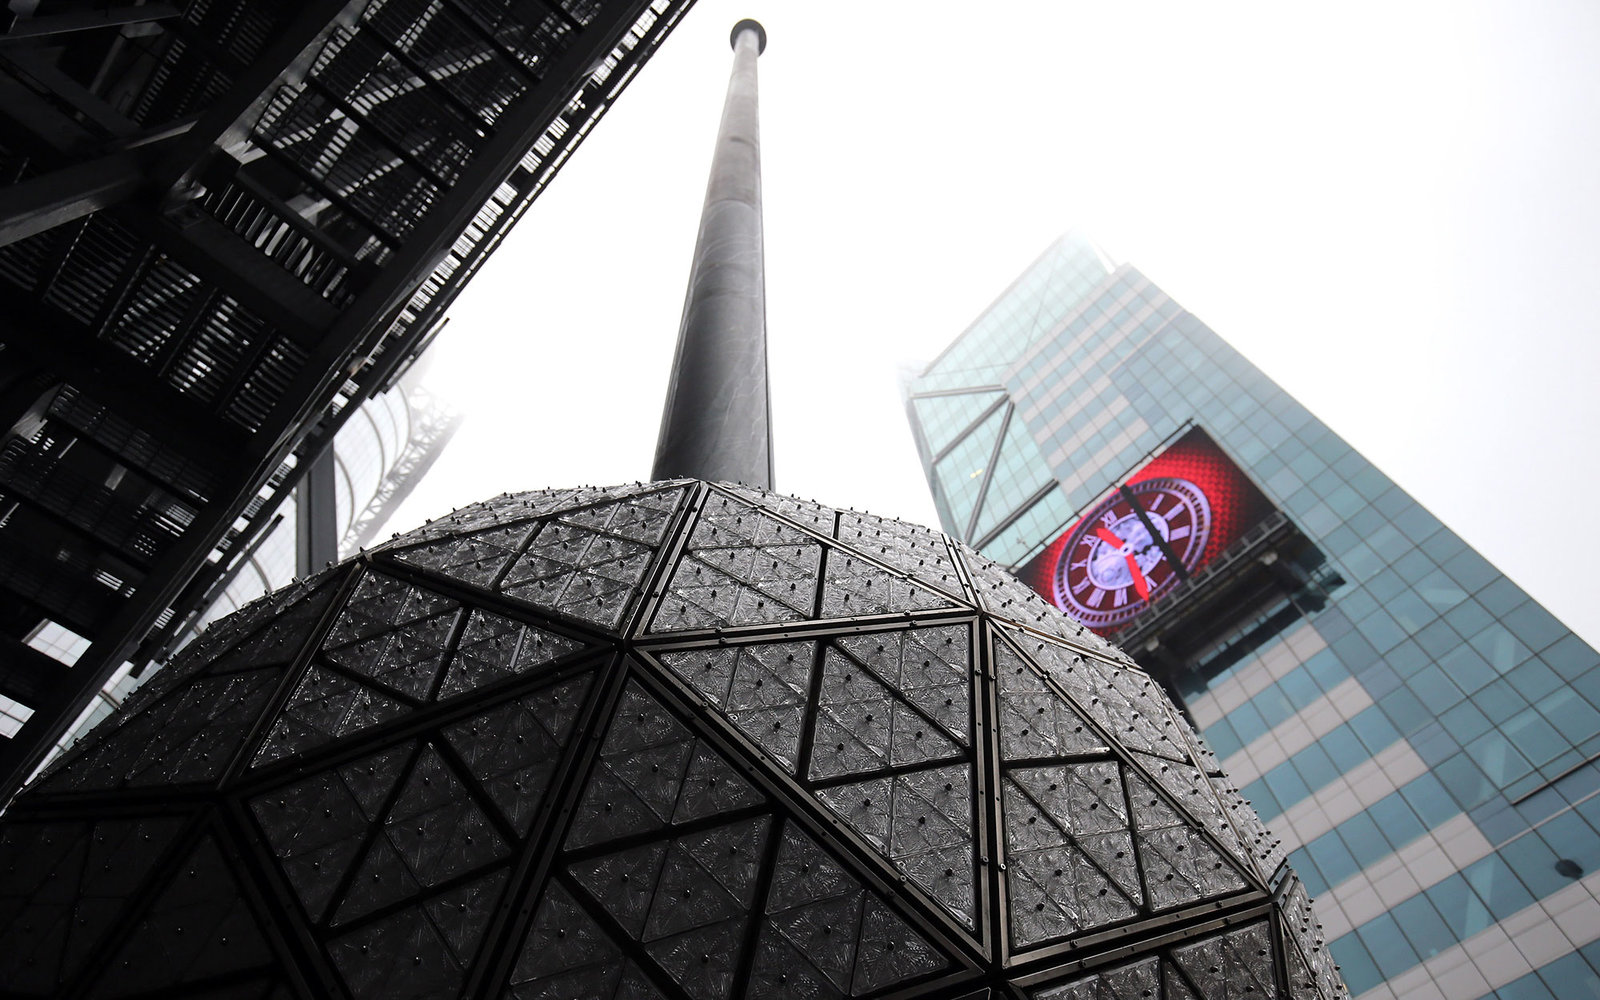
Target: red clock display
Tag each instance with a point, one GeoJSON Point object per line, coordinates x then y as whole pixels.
{"type": "Point", "coordinates": [1166, 521]}
{"type": "Point", "coordinates": [1136, 544]}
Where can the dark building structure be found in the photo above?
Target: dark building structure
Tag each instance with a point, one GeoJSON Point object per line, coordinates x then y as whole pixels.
{"type": "Point", "coordinates": [1420, 733]}
{"type": "Point", "coordinates": [222, 227]}
{"type": "Point", "coordinates": [375, 461]}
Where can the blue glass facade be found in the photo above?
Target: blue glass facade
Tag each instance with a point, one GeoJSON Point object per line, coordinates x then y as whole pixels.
{"type": "Point", "coordinates": [1422, 736]}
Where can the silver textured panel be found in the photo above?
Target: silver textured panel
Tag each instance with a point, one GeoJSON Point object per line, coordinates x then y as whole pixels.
{"type": "Point", "coordinates": [675, 741]}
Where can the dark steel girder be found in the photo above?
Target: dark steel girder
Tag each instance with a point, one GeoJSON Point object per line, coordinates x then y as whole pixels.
{"type": "Point", "coordinates": [85, 20]}
{"type": "Point", "coordinates": [40, 203]}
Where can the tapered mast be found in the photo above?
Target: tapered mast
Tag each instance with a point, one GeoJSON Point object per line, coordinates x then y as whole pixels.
{"type": "Point", "coordinates": [717, 421]}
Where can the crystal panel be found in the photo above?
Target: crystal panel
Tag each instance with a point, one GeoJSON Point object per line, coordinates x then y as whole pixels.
{"type": "Point", "coordinates": [863, 725]}
{"type": "Point", "coordinates": [922, 822]}
{"type": "Point", "coordinates": [855, 586]}
{"type": "Point", "coordinates": [433, 832]}
{"type": "Point", "coordinates": [62, 888]}
{"type": "Point", "coordinates": [762, 688]}
{"type": "Point", "coordinates": [1035, 720]}
{"type": "Point", "coordinates": [652, 771]}
{"type": "Point", "coordinates": [199, 926]}
{"type": "Point", "coordinates": [325, 706]}
{"type": "Point", "coordinates": [1235, 964]}
{"type": "Point", "coordinates": [492, 648]}
{"type": "Point", "coordinates": [742, 567]}
{"type": "Point", "coordinates": [1180, 864]}
{"type": "Point", "coordinates": [1135, 981]}
{"type": "Point", "coordinates": [512, 750]}
{"type": "Point", "coordinates": [914, 550]}
{"type": "Point", "coordinates": [930, 667]}
{"type": "Point", "coordinates": [318, 825]}
{"type": "Point", "coordinates": [566, 954]}
{"type": "Point", "coordinates": [1070, 851]}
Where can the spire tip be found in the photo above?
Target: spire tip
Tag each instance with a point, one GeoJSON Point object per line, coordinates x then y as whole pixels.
{"type": "Point", "coordinates": [749, 24]}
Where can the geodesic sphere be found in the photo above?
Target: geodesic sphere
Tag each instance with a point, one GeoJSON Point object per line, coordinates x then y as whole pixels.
{"type": "Point", "coordinates": [670, 740]}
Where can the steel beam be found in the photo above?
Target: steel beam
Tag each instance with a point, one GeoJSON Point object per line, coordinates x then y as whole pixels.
{"type": "Point", "coordinates": [316, 521]}
{"type": "Point", "coordinates": [37, 204]}
{"type": "Point", "coordinates": [84, 20]}
{"type": "Point", "coordinates": [717, 422]}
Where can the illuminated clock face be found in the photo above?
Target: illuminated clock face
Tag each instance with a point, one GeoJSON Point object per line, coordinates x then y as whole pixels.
{"type": "Point", "coordinates": [1117, 560]}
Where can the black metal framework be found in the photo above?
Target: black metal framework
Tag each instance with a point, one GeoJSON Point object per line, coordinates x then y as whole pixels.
{"type": "Point", "coordinates": [669, 740]}
{"type": "Point", "coordinates": [222, 227]}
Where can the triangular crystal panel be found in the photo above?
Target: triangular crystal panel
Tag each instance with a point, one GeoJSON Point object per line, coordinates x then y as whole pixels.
{"type": "Point", "coordinates": [188, 736]}
{"type": "Point", "coordinates": [1180, 865]}
{"type": "Point", "coordinates": [909, 548]}
{"type": "Point", "coordinates": [1070, 851]}
{"type": "Point", "coordinates": [931, 667]}
{"type": "Point", "coordinates": [806, 513]}
{"type": "Point", "coordinates": [477, 559]}
{"type": "Point", "coordinates": [1303, 935]}
{"type": "Point", "coordinates": [402, 954]}
{"type": "Point", "coordinates": [405, 659]}
{"type": "Point", "coordinates": [512, 750]}
{"type": "Point", "coordinates": [827, 934]}
{"type": "Point", "coordinates": [514, 508]}
{"type": "Point", "coordinates": [239, 642]}
{"type": "Point", "coordinates": [1198, 797]}
{"type": "Point", "coordinates": [325, 706]}
{"type": "Point", "coordinates": [1139, 980]}
{"type": "Point", "coordinates": [651, 772]}
{"type": "Point", "coordinates": [567, 955]}
{"type": "Point", "coordinates": [65, 884]}
{"type": "Point", "coordinates": [762, 688]}
{"type": "Point", "coordinates": [380, 605]}
{"type": "Point", "coordinates": [492, 648]}
{"type": "Point", "coordinates": [1122, 699]}
{"type": "Point", "coordinates": [1230, 966]}
{"type": "Point", "coordinates": [590, 563]}
{"type": "Point", "coordinates": [863, 726]}
{"type": "Point", "coordinates": [854, 586]}
{"type": "Point", "coordinates": [889, 951]}
{"type": "Point", "coordinates": [317, 825]}
{"type": "Point", "coordinates": [199, 926]}
{"type": "Point", "coordinates": [741, 567]}
{"type": "Point", "coordinates": [432, 833]}
{"type": "Point", "coordinates": [1035, 720]}
{"type": "Point", "coordinates": [920, 821]}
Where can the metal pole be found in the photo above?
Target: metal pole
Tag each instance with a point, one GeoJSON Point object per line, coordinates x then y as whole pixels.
{"type": "Point", "coordinates": [717, 420]}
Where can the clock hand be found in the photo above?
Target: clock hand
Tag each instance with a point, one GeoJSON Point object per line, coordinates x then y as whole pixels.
{"type": "Point", "coordinates": [1140, 584]}
{"type": "Point", "coordinates": [1108, 536]}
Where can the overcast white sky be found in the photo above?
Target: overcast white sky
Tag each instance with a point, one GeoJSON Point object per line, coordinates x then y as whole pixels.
{"type": "Point", "coordinates": [1393, 208]}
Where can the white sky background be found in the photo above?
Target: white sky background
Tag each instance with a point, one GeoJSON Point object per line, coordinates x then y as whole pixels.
{"type": "Point", "coordinates": [1393, 208]}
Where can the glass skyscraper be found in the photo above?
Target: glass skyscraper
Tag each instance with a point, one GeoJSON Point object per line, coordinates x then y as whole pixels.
{"type": "Point", "coordinates": [1421, 735]}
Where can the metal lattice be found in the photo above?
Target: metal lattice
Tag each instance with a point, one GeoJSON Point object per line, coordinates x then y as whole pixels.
{"type": "Point", "coordinates": [671, 740]}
